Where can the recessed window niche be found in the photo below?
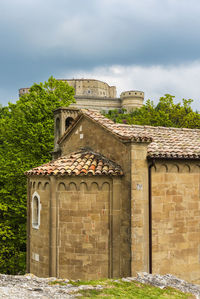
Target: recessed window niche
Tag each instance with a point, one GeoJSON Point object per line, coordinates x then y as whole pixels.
{"type": "Point", "coordinates": [36, 207]}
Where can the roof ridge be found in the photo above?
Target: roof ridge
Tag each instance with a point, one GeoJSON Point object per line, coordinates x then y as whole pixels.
{"type": "Point", "coordinates": [135, 125]}
{"type": "Point", "coordinates": [164, 142]}
{"type": "Point", "coordinates": [85, 150]}
{"type": "Point", "coordinates": [112, 126]}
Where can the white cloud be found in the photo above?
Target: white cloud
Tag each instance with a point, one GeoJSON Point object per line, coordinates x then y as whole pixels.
{"type": "Point", "coordinates": [135, 40]}
{"type": "Point", "coordinates": [182, 81]}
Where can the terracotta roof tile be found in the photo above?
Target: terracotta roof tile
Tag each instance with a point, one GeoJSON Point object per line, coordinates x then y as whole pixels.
{"type": "Point", "coordinates": [173, 143]}
{"type": "Point", "coordinates": [121, 131]}
{"type": "Point", "coordinates": [84, 162]}
{"type": "Point", "coordinates": [163, 142]}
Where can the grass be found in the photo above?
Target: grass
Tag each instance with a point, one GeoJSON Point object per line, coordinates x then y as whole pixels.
{"type": "Point", "coordinates": [121, 289]}
{"type": "Point", "coordinates": [55, 282]}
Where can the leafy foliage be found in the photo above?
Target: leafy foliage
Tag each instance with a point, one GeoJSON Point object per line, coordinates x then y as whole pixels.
{"type": "Point", "coordinates": [166, 114]}
{"type": "Point", "coordinates": [26, 140]}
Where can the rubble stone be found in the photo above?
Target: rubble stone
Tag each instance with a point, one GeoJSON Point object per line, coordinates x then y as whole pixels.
{"type": "Point", "coordinates": [168, 280]}
{"type": "Point", "coordinates": [30, 286]}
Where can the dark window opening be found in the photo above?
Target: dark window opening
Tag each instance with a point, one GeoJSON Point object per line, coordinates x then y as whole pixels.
{"type": "Point", "coordinates": [68, 122]}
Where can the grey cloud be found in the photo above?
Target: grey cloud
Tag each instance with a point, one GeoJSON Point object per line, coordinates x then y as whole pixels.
{"type": "Point", "coordinates": [43, 37]}
{"type": "Point", "coordinates": [105, 31]}
{"type": "Point", "coordinates": [181, 81]}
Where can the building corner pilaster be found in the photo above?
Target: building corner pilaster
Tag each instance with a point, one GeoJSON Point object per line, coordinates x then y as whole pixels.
{"type": "Point", "coordinates": [139, 209]}
{"type": "Point", "coordinates": [53, 229]}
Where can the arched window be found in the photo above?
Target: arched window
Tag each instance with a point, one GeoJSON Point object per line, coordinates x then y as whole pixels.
{"type": "Point", "coordinates": [68, 122]}
{"type": "Point", "coordinates": [36, 210]}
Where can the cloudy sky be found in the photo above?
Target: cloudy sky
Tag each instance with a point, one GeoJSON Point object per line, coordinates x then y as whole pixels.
{"type": "Point", "coordinates": [148, 45]}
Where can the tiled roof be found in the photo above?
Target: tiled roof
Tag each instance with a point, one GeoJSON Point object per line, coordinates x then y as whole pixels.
{"type": "Point", "coordinates": [163, 142]}
{"type": "Point", "coordinates": [121, 131]}
{"type": "Point", "coordinates": [84, 162]}
{"type": "Point", "coordinates": [172, 142]}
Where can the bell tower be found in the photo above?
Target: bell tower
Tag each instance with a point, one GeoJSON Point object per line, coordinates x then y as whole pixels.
{"type": "Point", "coordinates": [63, 118]}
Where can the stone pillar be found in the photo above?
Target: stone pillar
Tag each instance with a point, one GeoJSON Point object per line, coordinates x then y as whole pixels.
{"type": "Point", "coordinates": [116, 218]}
{"type": "Point", "coordinates": [53, 229]}
{"type": "Point", "coordinates": [139, 209]}
{"type": "Point", "coordinates": [59, 126]}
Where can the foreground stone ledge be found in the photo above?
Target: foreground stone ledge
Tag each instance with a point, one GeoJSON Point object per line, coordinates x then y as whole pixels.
{"type": "Point", "coordinates": [30, 286]}
{"type": "Point", "coordinates": [168, 280]}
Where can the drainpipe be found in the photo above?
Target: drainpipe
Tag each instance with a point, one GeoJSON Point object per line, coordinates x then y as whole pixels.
{"type": "Point", "coordinates": [150, 215]}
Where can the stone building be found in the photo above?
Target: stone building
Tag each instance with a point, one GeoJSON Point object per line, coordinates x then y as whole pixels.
{"type": "Point", "coordinates": [98, 95]}
{"type": "Point", "coordinates": [116, 200]}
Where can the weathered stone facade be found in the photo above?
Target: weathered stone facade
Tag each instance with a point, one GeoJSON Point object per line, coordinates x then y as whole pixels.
{"type": "Point", "coordinates": [94, 226]}
{"type": "Point", "coordinates": [95, 94]}
{"type": "Point", "coordinates": [176, 219]}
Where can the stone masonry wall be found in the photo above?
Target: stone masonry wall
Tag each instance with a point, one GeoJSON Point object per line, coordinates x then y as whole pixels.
{"type": "Point", "coordinates": [79, 235]}
{"type": "Point", "coordinates": [105, 143]}
{"type": "Point", "coordinates": [38, 253]}
{"type": "Point", "coordinates": [176, 219]}
{"type": "Point", "coordinates": [84, 240]}
{"type": "Point", "coordinates": [92, 87]}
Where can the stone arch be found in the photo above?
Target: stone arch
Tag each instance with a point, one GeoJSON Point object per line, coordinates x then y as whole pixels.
{"type": "Point", "coordinates": [173, 168]}
{"type": "Point", "coordinates": [34, 185]}
{"type": "Point", "coordinates": [36, 207]}
{"type": "Point", "coordinates": [196, 168]}
{"type": "Point", "coordinates": [162, 168]}
{"type": "Point", "coordinates": [61, 187]}
{"type": "Point", "coordinates": [186, 168]}
{"type": "Point", "coordinates": [39, 186]}
{"type": "Point", "coordinates": [94, 186]}
{"type": "Point", "coordinates": [83, 187]}
{"type": "Point", "coordinates": [72, 187]}
{"type": "Point", "coordinates": [105, 186]}
{"type": "Point", "coordinates": [46, 186]}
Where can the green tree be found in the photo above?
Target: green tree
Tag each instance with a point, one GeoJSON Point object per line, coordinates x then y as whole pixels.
{"type": "Point", "coordinates": [26, 140]}
{"type": "Point", "coordinates": [166, 113]}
